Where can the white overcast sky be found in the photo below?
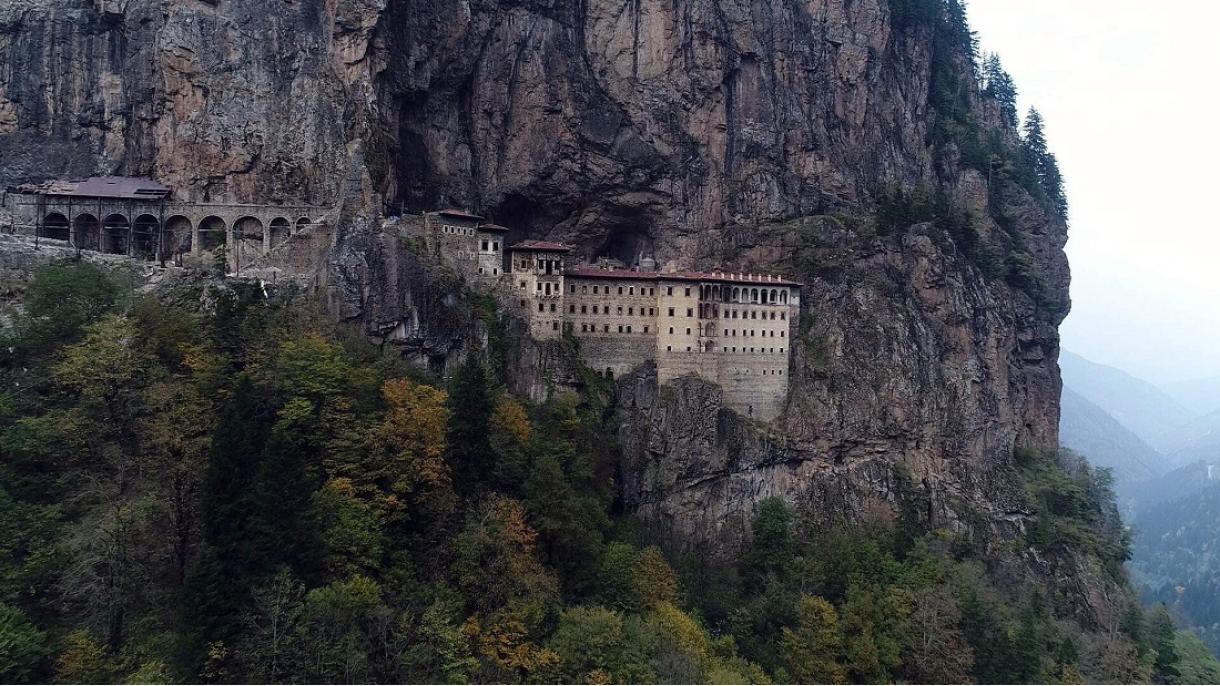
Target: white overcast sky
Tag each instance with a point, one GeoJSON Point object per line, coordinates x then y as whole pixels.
{"type": "Point", "coordinates": [1128, 91]}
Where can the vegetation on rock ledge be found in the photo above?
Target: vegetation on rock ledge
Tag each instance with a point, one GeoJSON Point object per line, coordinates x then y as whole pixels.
{"type": "Point", "coordinates": [252, 495]}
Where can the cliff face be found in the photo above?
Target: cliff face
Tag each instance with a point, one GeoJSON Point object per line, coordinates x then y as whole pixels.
{"type": "Point", "coordinates": [737, 134]}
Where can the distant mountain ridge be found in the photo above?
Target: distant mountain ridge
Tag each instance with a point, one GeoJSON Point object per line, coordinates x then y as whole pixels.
{"type": "Point", "coordinates": [1201, 396]}
{"type": "Point", "coordinates": [1089, 430]}
{"type": "Point", "coordinates": [1140, 406]}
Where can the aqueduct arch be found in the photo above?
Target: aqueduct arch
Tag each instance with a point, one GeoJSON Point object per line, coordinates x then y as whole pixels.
{"type": "Point", "coordinates": [86, 232]}
{"type": "Point", "coordinates": [55, 225]}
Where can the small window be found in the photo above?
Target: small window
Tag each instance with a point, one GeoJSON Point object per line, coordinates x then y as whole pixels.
{"type": "Point", "coordinates": [651, 291]}
{"type": "Point", "coordinates": [495, 271]}
{"type": "Point", "coordinates": [541, 308]}
{"type": "Point", "coordinates": [606, 328]}
{"type": "Point", "coordinates": [539, 285]}
{"type": "Point", "coordinates": [584, 289]}
{"type": "Point", "coordinates": [669, 348]}
{"type": "Point", "coordinates": [631, 290]}
{"type": "Point", "coordinates": [620, 328]}
{"type": "Point", "coordinates": [523, 284]}
{"type": "Point", "coordinates": [584, 309]}
{"type": "Point", "coordinates": [630, 311]}
{"type": "Point", "coordinates": [688, 347]}
{"type": "Point", "coordinates": [572, 288]}
{"type": "Point", "coordinates": [522, 303]}
{"type": "Point", "coordinates": [688, 292]}
{"type": "Point", "coordinates": [480, 270]}
{"type": "Point", "coordinates": [628, 328]}
{"type": "Point", "coordinates": [620, 309]}
{"type": "Point", "coordinates": [554, 326]}
{"type": "Point", "coordinates": [595, 309]}
{"type": "Point", "coordinates": [781, 335]}
{"type": "Point", "coordinates": [688, 331]}
{"type": "Point", "coordinates": [671, 311]}
{"type": "Point", "coordinates": [645, 328]}
{"type": "Point", "coordinates": [595, 290]}
{"type": "Point", "coordinates": [669, 290]}
{"type": "Point", "coordinates": [483, 246]}
{"type": "Point", "coordinates": [620, 290]}
{"type": "Point", "coordinates": [571, 309]}
{"type": "Point", "coordinates": [671, 330]}
{"type": "Point", "coordinates": [690, 312]}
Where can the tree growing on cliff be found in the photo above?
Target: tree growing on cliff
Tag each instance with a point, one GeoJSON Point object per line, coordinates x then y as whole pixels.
{"type": "Point", "coordinates": [1043, 161]}
{"type": "Point", "coordinates": [471, 405]}
{"type": "Point", "coordinates": [998, 84]}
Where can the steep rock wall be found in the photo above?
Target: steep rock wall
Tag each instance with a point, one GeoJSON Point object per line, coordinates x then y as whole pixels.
{"type": "Point", "coordinates": [735, 134]}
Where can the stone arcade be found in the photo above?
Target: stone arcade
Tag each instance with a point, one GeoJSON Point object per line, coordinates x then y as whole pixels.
{"type": "Point", "coordinates": [137, 217]}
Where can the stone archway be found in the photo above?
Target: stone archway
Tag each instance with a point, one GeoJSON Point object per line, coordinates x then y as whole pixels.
{"type": "Point", "coordinates": [280, 231]}
{"type": "Point", "coordinates": [213, 233]}
{"type": "Point", "coordinates": [116, 230]}
{"type": "Point", "coordinates": [56, 227]}
{"type": "Point", "coordinates": [303, 223]}
{"type": "Point", "coordinates": [178, 239]}
{"type": "Point", "coordinates": [247, 240]}
{"type": "Point", "coordinates": [146, 236]}
{"type": "Point", "coordinates": [86, 232]}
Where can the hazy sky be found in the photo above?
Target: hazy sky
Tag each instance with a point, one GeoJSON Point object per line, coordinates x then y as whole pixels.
{"type": "Point", "coordinates": [1128, 91]}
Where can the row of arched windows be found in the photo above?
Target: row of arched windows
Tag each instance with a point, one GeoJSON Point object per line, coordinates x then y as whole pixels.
{"type": "Point", "coordinates": [114, 233]}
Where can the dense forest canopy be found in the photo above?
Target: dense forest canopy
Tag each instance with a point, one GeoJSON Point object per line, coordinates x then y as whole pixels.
{"type": "Point", "coordinates": [241, 491]}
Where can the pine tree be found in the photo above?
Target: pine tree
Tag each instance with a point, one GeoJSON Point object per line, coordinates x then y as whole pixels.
{"type": "Point", "coordinates": [998, 84]}
{"type": "Point", "coordinates": [1045, 166]}
{"type": "Point", "coordinates": [470, 454]}
{"type": "Point", "coordinates": [1163, 636]}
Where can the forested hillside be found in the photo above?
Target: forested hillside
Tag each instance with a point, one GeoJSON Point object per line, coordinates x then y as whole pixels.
{"type": "Point", "coordinates": [230, 489]}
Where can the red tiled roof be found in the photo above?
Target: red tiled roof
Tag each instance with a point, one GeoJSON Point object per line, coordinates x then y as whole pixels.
{"type": "Point", "coordinates": [540, 245]}
{"type": "Point", "coordinates": [460, 214]}
{"type": "Point", "coordinates": [101, 187]}
{"type": "Point", "coordinates": [724, 277]}
{"type": "Point", "coordinates": [492, 227]}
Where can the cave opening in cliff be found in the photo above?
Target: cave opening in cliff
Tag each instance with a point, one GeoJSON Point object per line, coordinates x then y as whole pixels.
{"type": "Point", "coordinates": [55, 226]}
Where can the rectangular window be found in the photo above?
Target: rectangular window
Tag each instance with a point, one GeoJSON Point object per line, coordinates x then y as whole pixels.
{"type": "Point", "coordinates": [690, 312]}
{"type": "Point", "coordinates": [595, 290]}
{"type": "Point", "coordinates": [572, 288]}
{"type": "Point", "coordinates": [595, 309]}
{"type": "Point", "coordinates": [688, 347]}
{"type": "Point", "coordinates": [620, 290]}
{"type": "Point", "coordinates": [628, 328]}
{"type": "Point", "coordinates": [584, 309]}
{"type": "Point", "coordinates": [688, 292]}
{"type": "Point", "coordinates": [645, 329]}
{"type": "Point", "coordinates": [541, 308]}
{"type": "Point", "coordinates": [539, 285]}
{"type": "Point", "coordinates": [571, 309]}
{"type": "Point", "coordinates": [630, 311]}
{"type": "Point", "coordinates": [671, 311]}
{"type": "Point", "coordinates": [483, 246]}
{"type": "Point", "coordinates": [620, 309]}
{"type": "Point", "coordinates": [669, 348]}
{"type": "Point", "coordinates": [671, 330]}
{"type": "Point", "coordinates": [554, 326]}
{"type": "Point", "coordinates": [552, 307]}
{"type": "Point", "coordinates": [669, 290]}
{"type": "Point", "coordinates": [620, 328]}
{"type": "Point", "coordinates": [631, 290]}
{"type": "Point", "coordinates": [651, 291]}
{"type": "Point", "coordinates": [584, 289]}
{"type": "Point", "coordinates": [606, 328]}
{"type": "Point", "coordinates": [688, 331]}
